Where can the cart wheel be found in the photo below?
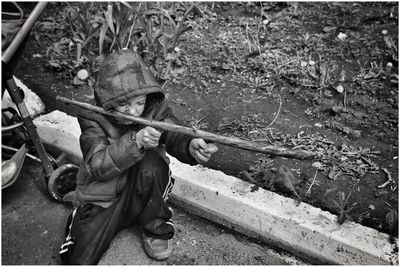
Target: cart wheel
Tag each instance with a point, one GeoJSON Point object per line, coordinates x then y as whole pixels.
{"type": "Point", "coordinates": [62, 181]}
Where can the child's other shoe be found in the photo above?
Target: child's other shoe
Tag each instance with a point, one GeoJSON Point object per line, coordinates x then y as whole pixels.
{"type": "Point", "coordinates": [157, 249]}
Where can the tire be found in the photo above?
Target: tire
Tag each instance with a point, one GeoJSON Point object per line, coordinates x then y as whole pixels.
{"type": "Point", "coordinates": [62, 181]}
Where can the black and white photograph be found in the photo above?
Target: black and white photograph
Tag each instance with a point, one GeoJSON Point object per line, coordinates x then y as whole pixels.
{"type": "Point", "coordinates": [200, 133]}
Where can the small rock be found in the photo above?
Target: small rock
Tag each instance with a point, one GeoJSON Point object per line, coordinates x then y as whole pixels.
{"type": "Point", "coordinates": [355, 133]}
{"type": "Point", "coordinates": [329, 29]}
{"type": "Point", "coordinates": [340, 89]}
{"type": "Point", "coordinates": [83, 75]}
{"type": "Point", "coordinates": [342, 36]}
{"type": "Point", "coordinates": [378, 192]}
{"type": "Point", "coordinates": [337, 109]}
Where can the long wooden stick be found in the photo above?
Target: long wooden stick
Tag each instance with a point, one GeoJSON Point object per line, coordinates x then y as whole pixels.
{"type": "Point", "coordinates": [230, 141]}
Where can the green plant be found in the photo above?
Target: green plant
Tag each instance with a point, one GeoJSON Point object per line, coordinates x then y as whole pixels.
{"type": "Point", "coordinates": [151, 29]}
{"type": "Point", "coordinates": [120, 22]}
{"type": "Point", "coordinates": [84, 22]}
{"type": "Point", "coordinates": [344, 210]}
{"type": "Point", "coordinates": [145, 28]}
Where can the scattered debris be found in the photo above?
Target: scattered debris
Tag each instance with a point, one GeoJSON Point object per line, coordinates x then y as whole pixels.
{"type": "Point", "coordinates": [389, 181]}
{"type": "Point", "coordinates": [285, 180]}
{"type": "Point", "coordinates": [277, 113]}
{"type": "Point", "coordinates": [392, 220]}
{"type": "Point", "coordinates": [341, 36]}
{"type": "Point", "coordinates": [380, 192]}
{"type": "Point", "coordinates": [334, 173]}
{"type": "Point", "coordinates": [312, 183]}
{"type": "Point", "coordinates": [244, 175]}
{"type": "Point", "coordinates": [348, 130]}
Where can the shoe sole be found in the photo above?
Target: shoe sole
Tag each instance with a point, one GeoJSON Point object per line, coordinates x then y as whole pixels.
{"type": "Point", "coordinates": [159, 257]}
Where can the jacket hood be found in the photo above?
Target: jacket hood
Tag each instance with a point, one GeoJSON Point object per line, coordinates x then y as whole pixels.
{"type": "Point", "coordinates": [123, 75]}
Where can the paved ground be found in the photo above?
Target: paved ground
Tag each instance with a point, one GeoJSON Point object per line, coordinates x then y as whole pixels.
{"type": "Point", "coordinates": [32, 227]}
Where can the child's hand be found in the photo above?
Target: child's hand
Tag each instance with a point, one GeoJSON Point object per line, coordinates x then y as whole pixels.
{"type": "Point", "coordinates": [200, 150]}
{"type": "Point", "coordinates": [147, 138]}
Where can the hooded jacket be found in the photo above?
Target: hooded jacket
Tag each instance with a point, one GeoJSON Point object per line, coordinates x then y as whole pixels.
{"type": "Point", "coordinates": [107, 147]}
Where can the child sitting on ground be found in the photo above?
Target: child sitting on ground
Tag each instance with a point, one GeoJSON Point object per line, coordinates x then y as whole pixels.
{"type": "Point", "coordinates": [124, 178]}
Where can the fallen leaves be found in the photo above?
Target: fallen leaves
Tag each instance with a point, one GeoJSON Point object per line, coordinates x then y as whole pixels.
{"type": "Point", "coordinates": [335, 160]}
{"type": "Point", "coordinates": [334, 173]}
{"type": "Point", "coordinates": [347, 130]}
{"type": "Point", "coordinates": [390, 181]}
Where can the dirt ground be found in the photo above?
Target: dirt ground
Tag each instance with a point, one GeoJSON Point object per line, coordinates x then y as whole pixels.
{"type": "Point", "coordinates": [312, 76]}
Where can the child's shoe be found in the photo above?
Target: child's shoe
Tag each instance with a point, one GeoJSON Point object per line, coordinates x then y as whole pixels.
{"type": "Point", "coordinates": [157, 249]}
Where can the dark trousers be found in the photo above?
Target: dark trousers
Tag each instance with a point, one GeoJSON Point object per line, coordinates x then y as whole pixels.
{"type": "Point", "coordinates": [91, 228]}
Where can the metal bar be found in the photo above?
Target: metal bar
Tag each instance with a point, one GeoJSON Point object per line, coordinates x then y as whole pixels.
{"type": "Point", "coordinates": [11, 127]}
{"type": "Point", "coordinates": [30, 127]}
{"type": "Point", "coordinates": [27, 154]}
{"type": "Point", "coordinates": [23, 32]}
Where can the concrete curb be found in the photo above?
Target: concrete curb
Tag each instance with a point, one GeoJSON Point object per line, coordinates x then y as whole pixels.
{"type": "Point", "coordinates": [298, 228]}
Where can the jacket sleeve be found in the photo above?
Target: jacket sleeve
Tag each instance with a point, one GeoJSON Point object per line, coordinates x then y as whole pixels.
{"type": "Point", "coordinates": [176, 144]}
{"type": "Point", "coordinates": [105, 160]}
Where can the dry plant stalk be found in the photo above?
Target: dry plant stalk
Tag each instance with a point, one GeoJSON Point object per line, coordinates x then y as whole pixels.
{"type": "Point", "coordinates": [277, 113]}
{"type": "Point", "coordinates": [311, 185]}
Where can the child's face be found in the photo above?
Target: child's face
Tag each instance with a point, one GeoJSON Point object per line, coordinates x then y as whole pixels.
{"type": "Point", "coordinates": [134, 106]}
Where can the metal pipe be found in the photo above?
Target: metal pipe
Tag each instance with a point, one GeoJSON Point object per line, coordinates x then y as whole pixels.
{"type": "Point", "coordinates": [23, 32]}
{"type": "Point", "coordinates": [30, 127]}
{"type": "Point", "coordinates": [11, 127]}
{"type": "Point", "coordinates": [27, 154]}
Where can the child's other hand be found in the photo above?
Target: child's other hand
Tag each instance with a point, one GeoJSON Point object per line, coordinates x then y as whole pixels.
{"type": "Point", "coordinates": [147, 138]}
{"type": "Point", "coordinates": [200, 150]}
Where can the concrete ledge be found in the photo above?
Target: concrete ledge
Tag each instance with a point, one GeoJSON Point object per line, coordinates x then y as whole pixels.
{"type": "Point", "coordinates": [299, 228]}
{"type": "Point", "coordinates": [62, 131]}
{"type": "Point", "coordinates": [295, 227]}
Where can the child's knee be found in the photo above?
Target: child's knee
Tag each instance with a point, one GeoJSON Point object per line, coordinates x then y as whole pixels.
{"type": "Point", "coordinates": [154, 162]}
